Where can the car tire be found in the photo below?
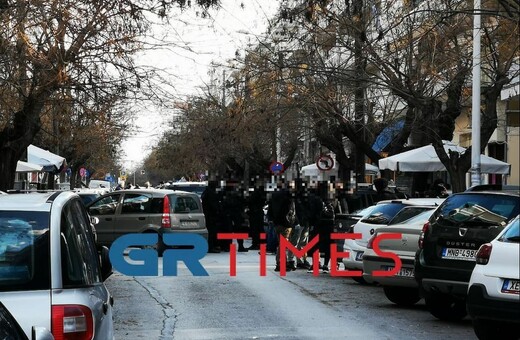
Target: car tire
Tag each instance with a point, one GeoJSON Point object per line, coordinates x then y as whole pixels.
{"type": "Point", "coordinates": [445, 307]}
{"type": "Point", "coordinates": [402, 296]}
{"type": "Point", "coordinates": [159, 247]}
{"type": "Point", "coordinates": [359, 279]}
{"type": "Point", "coordinates": [490, 329]}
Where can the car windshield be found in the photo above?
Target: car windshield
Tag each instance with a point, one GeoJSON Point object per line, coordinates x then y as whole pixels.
{"type": "Point", "coordinates": [513, 232]}
{"type": "Point", "coordinates": [24, 250]}
{"type": "Point", "coordinates": [406, 214]}
{"type": "Point", "coordinates": [478, 208]}
{"type": "Point", "coordinates": [383, 213]}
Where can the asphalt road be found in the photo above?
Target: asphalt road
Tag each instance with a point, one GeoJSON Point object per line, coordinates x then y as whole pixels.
{"type": "Point", "coordinates": [248, 306]}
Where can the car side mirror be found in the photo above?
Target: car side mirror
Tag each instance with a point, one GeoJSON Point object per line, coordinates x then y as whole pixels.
{"type": "Point", "coordinates": [41, 333]}
{"type": "Point", "coordinates": [106, 265]}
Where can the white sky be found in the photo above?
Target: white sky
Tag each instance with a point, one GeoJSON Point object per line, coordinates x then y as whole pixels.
{"type": "Point", "coordinates": [214, 39]}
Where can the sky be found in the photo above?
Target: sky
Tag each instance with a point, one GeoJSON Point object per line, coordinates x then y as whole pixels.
{"type": "Point", "coordinates": [199, 42]}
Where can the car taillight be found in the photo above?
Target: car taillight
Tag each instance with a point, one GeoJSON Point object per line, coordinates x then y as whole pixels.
{"type": "Point", "coordinates": [72, 322]}
{"type": "Point", "coordinates": [166, 221]}
{"type": "Point", "coordinates": [371, 241]}
{"type": "Point", "coordinates": [483, 253]}
{"type": "Point", "coordinates": [425, 228]}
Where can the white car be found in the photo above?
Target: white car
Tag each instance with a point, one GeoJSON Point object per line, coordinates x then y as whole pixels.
{"type": "Point", "coordinates": [493, 300]}
{"type": "Point", "coordinates": [385, 213]}
{"type": "Point", "coordinates": [51, 274]}
{"type": "Point", "coordinates": [400, 288]}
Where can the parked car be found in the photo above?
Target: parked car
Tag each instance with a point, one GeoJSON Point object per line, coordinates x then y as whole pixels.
{"type": "Point", "coordinates": [51, 275]}
{"type": "Point", "coordinates": [196, 187]}
{"type": "Point", "coordinates": [382, 215]}
{"type": "Point", "coordinates": [449, 242]}
{"type": "Point", "coordinates": [147, 211]}
{"type": "Point", "coordinates": [88, 195]}
{"type": "Point", "coordinates": [494, 287]}
{"type": "Point", "coordinates": [400, 288]}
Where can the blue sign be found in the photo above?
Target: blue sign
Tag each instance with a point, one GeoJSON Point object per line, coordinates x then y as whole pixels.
{"type": "Point", "coordinates": [87, 173]}
{"type": "Point", "coordinates": [276, 167]}
{"type": "Point", "coordinates": [68, 171]}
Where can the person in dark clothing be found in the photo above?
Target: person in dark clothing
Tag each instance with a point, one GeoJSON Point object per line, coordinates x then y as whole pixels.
{"type": "Point", "coordinates": [256, 215]}
{"type": "Point", "coordinates": [233, 206]}
{"type": "Point", "coordinates": [283, 213]}
{"type": "Point", "coordinates": [213, 215]}
{"type": "Point", "coordinates": [314, 216]}
{"type": "Point", "coordinates": [383, 192]}
{"type": "Point", "coordinates": [326, 228]}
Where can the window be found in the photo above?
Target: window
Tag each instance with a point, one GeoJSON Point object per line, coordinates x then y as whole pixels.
{"type": "Point", "coordinates": [136, 204]}
{"type": "Point", "coordinates": [105, 206]}
{"type": "Point", "coordinates": [24, 250]}
{"type": "Point", "coordinates": [186, 204]}
{"type": "Point", "coordinates": [79, 258]}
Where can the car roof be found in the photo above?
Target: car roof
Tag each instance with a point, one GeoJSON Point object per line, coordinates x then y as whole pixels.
{"type": "Point", "coordinates": [194, 184]}
{"type": "Point", "coordinates": [154, 192]}
{"type": "Point", "coordinates": [31, 201]}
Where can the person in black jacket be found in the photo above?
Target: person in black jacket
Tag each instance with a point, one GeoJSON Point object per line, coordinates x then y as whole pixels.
{"type": "Point", "coordinates": [283, 212]}
{"type": "Point", "coordinates": [213, 214]}
{"type": "Point", "coordinates": [256, 205]}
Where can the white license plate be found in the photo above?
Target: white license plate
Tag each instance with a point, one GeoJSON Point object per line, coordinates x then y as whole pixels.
{"type": "Point", "coordinates": [359, 256]}
{"type": "Point", "coordinates": [403, 272]}
{"type": "Point", "coordinates": [511, 287]}
{"type": "Point", "coordinates": [459, 254]}
{"type": "Point", "coordinates": [189, 224]}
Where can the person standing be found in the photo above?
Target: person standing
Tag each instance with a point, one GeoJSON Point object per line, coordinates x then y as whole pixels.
{"type": "Point", "coordinates": [256, 204]}
{"type": "Point", "coordinates": [234, 213]}
{"type": "Point", "coordinates": [212, 213]}
{"type": "Point", "coordinates": [284, 217]}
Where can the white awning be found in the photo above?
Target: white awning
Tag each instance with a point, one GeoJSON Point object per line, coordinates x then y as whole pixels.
{"type": "Point", "coordinates": [48, 160]}
{"type": "Point", "coordinates": [425, 159]}
{"type": "Point", "coordinates": [22, 166]}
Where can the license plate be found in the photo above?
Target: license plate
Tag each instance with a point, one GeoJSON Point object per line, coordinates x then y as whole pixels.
{"type": "Point", "coordinates": [189, 224]}
{"type": "Point", "coordinates": [359, 256]}
{"type": "Point", "coordinates": [403, 272]}
{"type": "Point", "coordinates": [459, 254]}
{"type": "Point", "coordinates": [511, 287]}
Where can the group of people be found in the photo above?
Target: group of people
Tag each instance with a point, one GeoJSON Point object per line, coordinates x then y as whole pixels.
{"type": "Point", "coordinates": [296, 211]}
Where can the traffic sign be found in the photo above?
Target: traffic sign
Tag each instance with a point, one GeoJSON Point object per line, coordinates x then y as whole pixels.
{"type": "Point", "coordinates": [276, 167]}
{"type": "Point", "coordinates": [82, 172]}
{"type": "Point", "coordinates": [325, 163]}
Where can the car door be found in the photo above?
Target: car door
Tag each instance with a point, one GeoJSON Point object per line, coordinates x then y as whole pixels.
{"type": "Point", "coordinates": [105, 208]}
{"type": "Point", "coordinates": [134, 214]}
{"type": "Point", "coordinates": [81, 289]}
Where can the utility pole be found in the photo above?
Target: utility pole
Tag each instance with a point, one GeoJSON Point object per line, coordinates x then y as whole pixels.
{"type": "Point", "coordinates": [475, 100]}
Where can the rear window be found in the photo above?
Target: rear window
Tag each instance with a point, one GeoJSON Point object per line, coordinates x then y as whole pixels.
{"type": "Point", "coordinates": [487, 208]}
{"type": "Point", "coordinates": [24, 250]}
{"type": "Point", "coordinates": [406, 214]}
{"type": "Point", "coordinates": [184, 204]}
{"type": "Point", "coordinates": [383, 213]}
{"type": "Point", "coordinates": [513, 232]}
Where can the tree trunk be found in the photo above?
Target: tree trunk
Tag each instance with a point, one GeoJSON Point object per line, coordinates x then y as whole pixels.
{"type": "Point", "coordinates": [10, 156]}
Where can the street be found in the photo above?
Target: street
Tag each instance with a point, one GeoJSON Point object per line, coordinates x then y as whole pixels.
{"type": "Point", "coordinates": [248, 306]}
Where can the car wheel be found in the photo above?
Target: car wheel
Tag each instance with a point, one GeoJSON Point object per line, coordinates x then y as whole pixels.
{"type": "Point", "coordinates": [402, 296]}
{"type": "Point", "coordinates": [160, 247]}
{"type": "Point", "coordinates": [445, 307]}
{"type": "Point", "coordinates": [489, 329]}
{"type": "Point", "coordinates": [359, 279]}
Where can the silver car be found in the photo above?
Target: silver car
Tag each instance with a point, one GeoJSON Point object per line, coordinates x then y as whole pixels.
{"type": "Point", "coordinates": [51, 274]}
{"type": "Point", "coordinates": [147, 211]}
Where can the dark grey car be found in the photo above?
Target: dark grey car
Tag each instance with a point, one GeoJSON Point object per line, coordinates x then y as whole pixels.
{"type": "Point", "coordinates": [147, 211]}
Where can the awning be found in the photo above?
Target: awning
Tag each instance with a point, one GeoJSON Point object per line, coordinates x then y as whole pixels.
{"type": "Point", "coordinates": [22, 166]}
{"type": "Point", "coordinates": [49, 161]}
{"type": "Point", "coordinates": [425, 159]}
{"type": "Point", "coordinates": [312, 170]}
